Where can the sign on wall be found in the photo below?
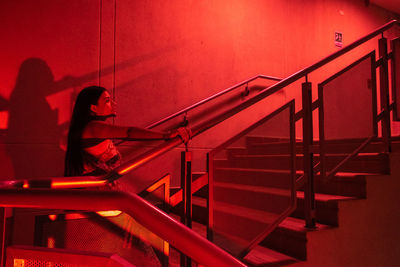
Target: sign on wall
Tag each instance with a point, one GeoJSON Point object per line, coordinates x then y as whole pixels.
{"type": "Point", "coordinates": [338, 39]}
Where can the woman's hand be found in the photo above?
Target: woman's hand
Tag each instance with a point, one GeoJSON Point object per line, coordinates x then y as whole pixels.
{"type": "Point", "coordinates": [184, 133]}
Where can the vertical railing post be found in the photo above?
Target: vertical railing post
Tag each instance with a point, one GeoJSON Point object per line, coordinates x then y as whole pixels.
{"type": "Point", "coordinates": [309, 194]}
{"type": "Point", "coordinates": [384, 92]}
{"type": "Point", "coordinates": [3, 235]}
{"type": "Point", "coordinates": [210, 198]}
{"type": "Point", "coordinates": [186, 184]}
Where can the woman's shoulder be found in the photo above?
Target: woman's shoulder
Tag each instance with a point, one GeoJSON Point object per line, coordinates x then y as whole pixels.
{"type": "Point", "coordinates": [101, 129]}
{"type": "Point", "coordinates": [92, 128]}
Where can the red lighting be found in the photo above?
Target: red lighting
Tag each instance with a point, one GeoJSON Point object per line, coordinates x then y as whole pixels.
{"type": "Point", "coordinates": [109, 213]}
{"type": "Point", "coordinates": [106, 213]}
{"type": "Point", "coordinates": [129, 168]}
{"type": "Point", "coordinates": [71, 184]}
{"type": "Point", "coordinates": [51, 242]}
{"type": "Point", "coordinates": [3, 119]}
{"type": "Point", "coordinates": [53, 217]}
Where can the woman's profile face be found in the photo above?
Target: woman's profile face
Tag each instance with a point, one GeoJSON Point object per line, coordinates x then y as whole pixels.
{"type": "Point", "coordinates": [105, 105]}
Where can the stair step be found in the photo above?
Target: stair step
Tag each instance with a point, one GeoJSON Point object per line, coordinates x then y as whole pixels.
{"type": "Point", "coordinates": [343, 183]}
{"type": "Point", "coordinates": [240, 225]}
{"type": "Point", "coordinates": [250, 176]}
{"type": "Point", "coordinates": [249, 222]}
{"type": "Point", "coordinates": [298, 225]}
{"type": "Point", "coordinates": [281, 192]}
{"type": "Point", "coordinates": [273, 200]}
{"type": "Point", "coordinates": [366, 162]}
{"type": "Point", "coordinates": [262, 256]}
{"type": "Point", "coordinates": [332, 146]}
{"type": "Point", "coordinates": [256, 177]}
{"type": "Point", "coordinates": [258, 256]}
{"type": "Point", "coordinates": [289, 237]}
{"type": "Point", "coordinates": [263, 145]}
{"type": "Point", "coordinates": [260, 139]}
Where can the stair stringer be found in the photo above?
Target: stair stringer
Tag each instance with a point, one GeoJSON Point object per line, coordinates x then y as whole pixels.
{"type": "Point", "coordinates": [369, 229]}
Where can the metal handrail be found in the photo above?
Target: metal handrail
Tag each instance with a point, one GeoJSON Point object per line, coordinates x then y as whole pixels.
{"type": "Point", "coordinates": [206, 100]}
{"type": "Point", "coordinates": [198, 129]}
{"type": "Point", "coordinates": [211, 98]}
{"type": "Point", "coordinates": [178, 235]}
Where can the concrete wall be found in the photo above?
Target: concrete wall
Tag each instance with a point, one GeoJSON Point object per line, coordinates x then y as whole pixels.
{"type": "Point", "coordinates": [156, 57]}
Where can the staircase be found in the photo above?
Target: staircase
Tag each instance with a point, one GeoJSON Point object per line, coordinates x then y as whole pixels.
{"type": "Point", "coordinates": [255, 195]}
{"type": "Point", "coordinates": [355, 210]}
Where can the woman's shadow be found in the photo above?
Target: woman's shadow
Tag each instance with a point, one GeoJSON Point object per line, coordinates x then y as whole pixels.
{"type": "Point", "coordinates": [33, 134]}
{"type": "Point", "coordinates": [32, 138]}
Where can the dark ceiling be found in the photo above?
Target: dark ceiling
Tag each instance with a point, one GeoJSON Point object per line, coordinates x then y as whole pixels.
{"type": "Point", "coordinates": [392, 5]}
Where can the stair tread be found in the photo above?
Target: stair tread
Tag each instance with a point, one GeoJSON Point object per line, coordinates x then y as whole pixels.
{"type": "Point", "coordinates": [282, 192]}
{"type": "Point", "coordinates": [290, 222]}
{"type": "Point", "coordinates": [257, 170]}
{"type": "Point", "coordinates": [240, 211]}
{"type": "Point", "coordinates": [326, 197]}
{"type": "Point", "coordinates": [258, 189]}
{"type": "Point", "coordinates": [298, 225]}
{"type": "Point", "coordinates": [257, 256]}
{"type": "Point", "coordinates": [298, 172]}
{"type": "Point", "coordinates": [333, 141]}
{"type": "Point", "coordinates": [366, 154]}
{"type": "Point", "coordinates": [261, 255]}
{"type": "Point", "coordinates": [353, 174]}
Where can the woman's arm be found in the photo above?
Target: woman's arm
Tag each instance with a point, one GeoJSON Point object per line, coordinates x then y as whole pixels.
{"type": "Point", "coordinates": [99, 129]}
{"type": "Point", "coordinates": [135, 133]}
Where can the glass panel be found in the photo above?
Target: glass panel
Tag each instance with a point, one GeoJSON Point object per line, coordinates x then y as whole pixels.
{"type": "Point", "coordinates": [252, 186]}
{"type": "Point", "coordinates": [348, 112]}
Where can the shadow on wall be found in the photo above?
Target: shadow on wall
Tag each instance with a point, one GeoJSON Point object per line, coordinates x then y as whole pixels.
{"type": "Point", "coordinates": [32, 137]}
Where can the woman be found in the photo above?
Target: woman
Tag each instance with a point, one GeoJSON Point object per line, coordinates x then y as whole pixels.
{"type": "Point", "coordinates": [90, 150]}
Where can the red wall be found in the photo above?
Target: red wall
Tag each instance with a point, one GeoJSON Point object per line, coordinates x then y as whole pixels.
{"type": "Point", "coordinates": [49, 50]}
{"type": "Point", "coordinates": [157, 57]}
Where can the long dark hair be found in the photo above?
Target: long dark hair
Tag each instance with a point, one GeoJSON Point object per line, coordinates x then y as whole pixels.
{"type": "Point", "coordinates": [81, 116]}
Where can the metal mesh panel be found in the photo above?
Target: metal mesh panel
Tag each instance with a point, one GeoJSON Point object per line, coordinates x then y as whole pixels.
{"type": "Point", "coordinates": [44, 263]}
{"type": "Point", "coordinates": [105, 232]}
{"type": "Point", "coordinates": [252, 186]}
